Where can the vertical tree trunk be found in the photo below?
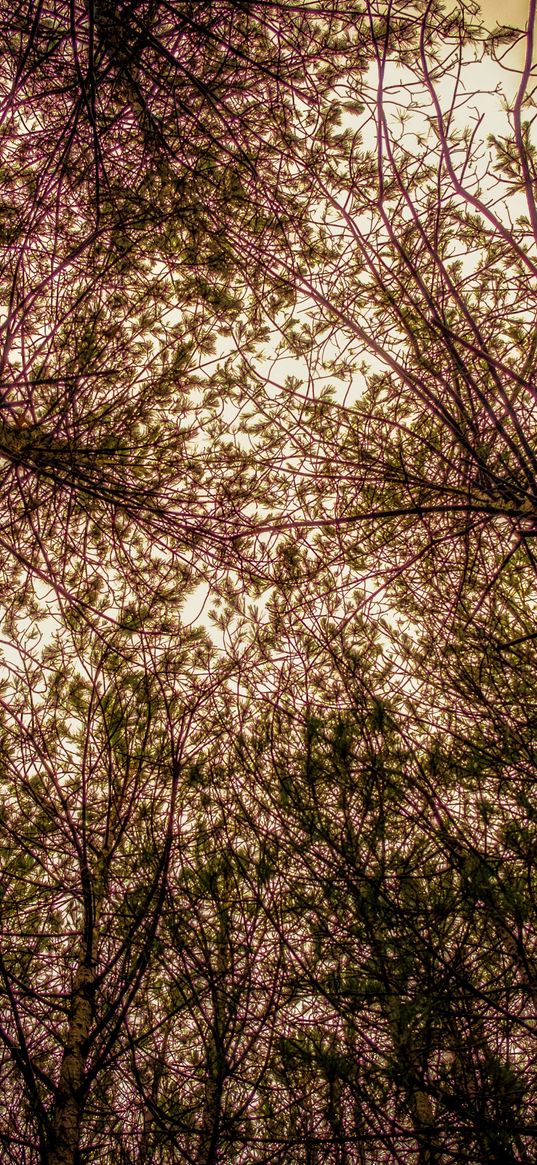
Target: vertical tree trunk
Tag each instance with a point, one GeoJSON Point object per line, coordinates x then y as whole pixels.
{"type": "Point", "coordinates": [69, 1105]}
{"type": "Point", "coordinates": [336, 1121]}
{"type": "Point", "coordinates": [66, 1118]}
{"type": "Point", "coordinates": [209, 1144]}
{"type": "Point", "coordinates": [210, 1131]}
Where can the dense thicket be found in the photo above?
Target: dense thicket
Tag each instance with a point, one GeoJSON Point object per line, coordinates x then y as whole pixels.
{"type": "Point", "coordinates": [267, 875]}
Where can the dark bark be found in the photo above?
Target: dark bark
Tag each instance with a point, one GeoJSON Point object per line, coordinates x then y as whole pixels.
{"type": "Point", "coordinates": [64, 1143]}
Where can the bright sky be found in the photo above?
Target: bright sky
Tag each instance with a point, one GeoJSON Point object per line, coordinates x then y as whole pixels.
{"type": "Point", "coordinates": [510, 12]}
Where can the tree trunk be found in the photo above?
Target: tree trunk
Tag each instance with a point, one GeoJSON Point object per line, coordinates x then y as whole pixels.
{"type": "Point", "coordinates": [210, 1131]}
{"type": "Point", "coordinates": [66, 1117]}
{"type": "Point", "coordinates": [64, 1141]}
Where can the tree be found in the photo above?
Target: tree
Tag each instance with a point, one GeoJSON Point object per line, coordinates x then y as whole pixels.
{"type": "Point", "coordinates": [419, 291]}
{"type": "Point", "coordinates": [93, 757]}
{"type": "Point", "coordinates": [409, 916]}
{"type": "Point", "coordinates": [142, 149]}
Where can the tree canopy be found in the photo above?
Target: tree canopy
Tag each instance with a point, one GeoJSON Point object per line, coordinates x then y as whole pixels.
{"type": "Point", "coordinates": [268, 708]}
